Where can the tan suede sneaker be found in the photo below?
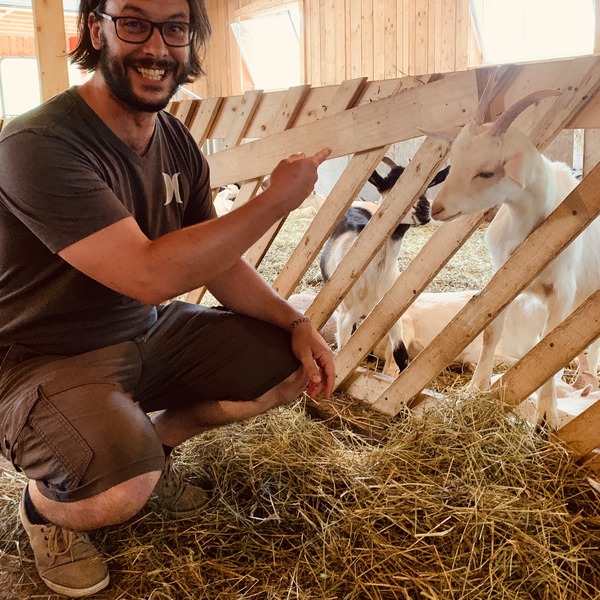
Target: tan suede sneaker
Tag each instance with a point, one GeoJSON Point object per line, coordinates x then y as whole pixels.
{"type": "Point", "coordinates": [175, 498]}
{"type": "Point", "coordinates": [66, 560]}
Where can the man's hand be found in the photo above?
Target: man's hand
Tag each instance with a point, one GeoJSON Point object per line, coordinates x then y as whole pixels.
{"type": "Point", "coordinates": [316, 357]}
{"type": "Point", "coordinates": [294, 178]}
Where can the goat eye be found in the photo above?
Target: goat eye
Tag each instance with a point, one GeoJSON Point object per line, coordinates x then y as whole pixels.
{"type": "Point", "coordinates": [486, 174]}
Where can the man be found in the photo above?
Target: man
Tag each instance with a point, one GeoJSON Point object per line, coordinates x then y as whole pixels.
{"type": "Point", "coordinates": [105, 212]}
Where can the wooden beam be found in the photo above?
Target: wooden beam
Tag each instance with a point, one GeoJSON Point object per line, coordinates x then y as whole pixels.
{"type": "Point", "coordinates": [415, 178]}
{"type": "Point", "coordinates": [337, 203]}
{"type": "Point", "coordinates": [362, 128]}
{"type": "Point", "coordinates": [51, 47]}
{"type": "Point", "coordinates": [560, 346]}
{"type": "Point", "coordinates": [563, 225]}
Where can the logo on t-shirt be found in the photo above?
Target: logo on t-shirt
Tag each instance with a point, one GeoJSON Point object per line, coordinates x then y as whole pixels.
{"type": "Point", "coordinates": [172, 188]}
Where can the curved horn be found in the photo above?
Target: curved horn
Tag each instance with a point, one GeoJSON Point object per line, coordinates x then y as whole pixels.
{"type": "Point", "coordinates": [505, 120]}
{"type": "Point", "coordinates": [485, 100]}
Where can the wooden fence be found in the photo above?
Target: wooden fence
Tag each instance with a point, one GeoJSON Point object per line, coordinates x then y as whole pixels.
{"type": "Point", "coordinates": [363, 119]}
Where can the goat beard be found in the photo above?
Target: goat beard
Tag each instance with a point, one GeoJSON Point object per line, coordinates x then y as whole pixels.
{"type": "Point", "coordinates": [114, 72]}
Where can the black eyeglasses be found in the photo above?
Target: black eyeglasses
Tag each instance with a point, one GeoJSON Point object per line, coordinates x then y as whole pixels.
{"type": "Point", "coordinates": [139, 31]}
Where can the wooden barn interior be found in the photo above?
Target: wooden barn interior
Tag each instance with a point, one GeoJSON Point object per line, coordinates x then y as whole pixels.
{"type": "Point", "coordinates": [372, 75]}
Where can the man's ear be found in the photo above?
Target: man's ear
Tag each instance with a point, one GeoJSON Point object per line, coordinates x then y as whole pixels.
{"type": "Point", "coordinates": [94, 27]}
{"type": "Point", "coordinates": [513, 168]}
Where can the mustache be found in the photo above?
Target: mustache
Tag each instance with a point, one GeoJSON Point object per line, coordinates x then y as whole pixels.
{"type": "Point", "coordinates": [149, 63]}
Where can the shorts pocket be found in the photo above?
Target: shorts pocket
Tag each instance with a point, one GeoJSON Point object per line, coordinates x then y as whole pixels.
{"type": "Point", "coordinates": [49, 449]}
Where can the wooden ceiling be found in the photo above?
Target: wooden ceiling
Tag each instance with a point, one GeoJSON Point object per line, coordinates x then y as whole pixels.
{"type": "Point", "coordinates": [18, 22]}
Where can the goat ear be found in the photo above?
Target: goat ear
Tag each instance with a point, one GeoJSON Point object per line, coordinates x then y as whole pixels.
{"type": "Point", "coordinates": [513, 168]}
{"type": "Point", "coordinates": [438, 135]}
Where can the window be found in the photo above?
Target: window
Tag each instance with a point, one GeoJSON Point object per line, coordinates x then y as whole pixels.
{"type": "Point", "coordinates": [20, 84]}
{"type": "Point", "coordinates": [528, 30]}
{"type": "Point", "coordinates": [270, 47]}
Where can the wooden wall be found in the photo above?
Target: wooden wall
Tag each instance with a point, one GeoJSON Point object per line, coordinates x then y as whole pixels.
{"type": "Point", "coordinates": [346, 39]}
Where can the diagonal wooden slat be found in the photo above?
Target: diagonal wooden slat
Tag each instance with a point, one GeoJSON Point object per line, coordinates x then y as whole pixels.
{"type": "Point", "coordinates": [396, 205]}
{"type": "Point", "coordinates": [560, 111]}
{"type": "Point", "coordinates": [248, 105]}
{"type": "Point", "coordinates": [347, 94]}
{"type": "Point", "coordinates": [354, 177]}
{"type": "Point", "coordinates": [204, 119]}
{"type": "Point", "coordinates": [563, 225]}
{"type": "Point", "coordinates": [555, 350]}
{"type": "Point", "coordinates": [431, 259]}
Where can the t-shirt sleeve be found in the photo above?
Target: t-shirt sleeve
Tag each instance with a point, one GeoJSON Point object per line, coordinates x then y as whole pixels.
{"type": "Point", "coordinates": [55, 190]}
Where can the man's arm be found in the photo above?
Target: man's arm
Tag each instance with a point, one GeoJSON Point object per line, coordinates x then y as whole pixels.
{"type": "Point", "coordinates": [122, 258]}
{"type": "Point", "coordinates": [244, 291]}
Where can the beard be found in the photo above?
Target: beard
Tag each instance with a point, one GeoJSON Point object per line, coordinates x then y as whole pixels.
{"type": "Point", "coordinates": [114, 72]}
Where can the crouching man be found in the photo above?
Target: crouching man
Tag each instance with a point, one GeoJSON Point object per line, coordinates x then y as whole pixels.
{"type": "Point", "coordinates": [105, 213]}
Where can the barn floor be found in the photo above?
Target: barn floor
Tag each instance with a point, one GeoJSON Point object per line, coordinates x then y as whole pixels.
{"type": "Point", "coordinates": [465, 502]}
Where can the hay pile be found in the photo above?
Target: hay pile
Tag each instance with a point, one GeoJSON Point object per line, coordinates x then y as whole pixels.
{"type": "Point", "coordinates": [466, 502]}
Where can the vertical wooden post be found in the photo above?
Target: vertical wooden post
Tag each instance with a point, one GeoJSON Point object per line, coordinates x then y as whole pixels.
{"type": "Point", "coordinates": [597, 29]}
{"type": "Point", "coordinates": [51, 46]}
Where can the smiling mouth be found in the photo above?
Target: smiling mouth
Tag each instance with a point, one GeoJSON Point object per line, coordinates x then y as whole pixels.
{"type": "Point", "coordinates": [153, 74]}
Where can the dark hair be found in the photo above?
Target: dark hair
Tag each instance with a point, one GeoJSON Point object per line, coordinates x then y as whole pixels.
{"type": "Point", "coordinates": [87, 57]}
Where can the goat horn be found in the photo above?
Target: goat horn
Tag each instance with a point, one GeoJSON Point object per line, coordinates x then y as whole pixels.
{"type": "Point", "coordinates": [499, 75]}
{"type": "Point", "coordinates": [505, 120]}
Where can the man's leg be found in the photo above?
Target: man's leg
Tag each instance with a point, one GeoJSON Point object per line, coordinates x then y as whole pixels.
{"type": "Point", "coordinates": [175, 425]}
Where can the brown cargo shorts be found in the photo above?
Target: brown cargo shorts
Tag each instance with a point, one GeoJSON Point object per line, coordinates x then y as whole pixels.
{"type": "Point", "coordinates": [78, 425]}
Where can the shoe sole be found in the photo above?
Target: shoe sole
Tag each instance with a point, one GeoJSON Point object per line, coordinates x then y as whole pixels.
{"type": "Point", "coordinates": [77, 593]}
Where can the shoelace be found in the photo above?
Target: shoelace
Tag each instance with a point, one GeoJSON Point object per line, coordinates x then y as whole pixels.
{"type": "Point", "coordinates": [61, 540]}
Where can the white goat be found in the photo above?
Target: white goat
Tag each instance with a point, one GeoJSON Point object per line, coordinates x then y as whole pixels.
{"type": "Point", "coordinates": [378, 276]}
{"type": "Point", "coordinates": [498, 165]}
{"type": "Point", "coordinates": [431, 312]}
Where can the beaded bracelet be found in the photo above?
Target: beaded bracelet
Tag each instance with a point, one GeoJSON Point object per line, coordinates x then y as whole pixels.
{"type": "Point", "coordinates": [297, 322]}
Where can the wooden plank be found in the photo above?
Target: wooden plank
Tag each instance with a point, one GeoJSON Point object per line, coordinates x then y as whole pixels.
{"type": "Point", "coordinates": [338, 201]}
{"type": "Point", "coordinates": [248, 106]}
{"type": "Point", "coordinates": [577, 211]}
{"type": "Point", "coordinates": [367, 54]}
{"type": "Point", "coordinates": [390, 12]}
{"type": "Point", "coordinates": [367, 386]}
{"type": "Point", "coordinates": [186, 110]}
{"type": "Point", "coordinates": [328, 46]}
{"type": "Point", "coordinates": [597, 28]}
{"type": "Point", "coordinates": [315, 50]}
{"type": "Point", "coordinates": [379, 35]}
{"type": "Point", "coordinates": [51, 47]}
{"type": "Point", "coordinates": [463, 25]}
{"type": "Point", "coordinates": [582, 434]}
{"type": "Point", "coordinates": [364, 127]}
{"type": "Point", "coordinates": [431, 259]}
{"type": "Point", "coordinates": [448, 37]}
{"type": "Point", "coordinates": [396, 205]}
{"type": "Point", "coordinates": [345, 97]}
{"type": "Point", "coordinates": [341, 22]}
{"type": "Point", "coordinates": [204, 119]}
{"type": "Point", "coordinates": [559, 347]}
{"type": "Point", "coordinates": [355, 38]}
{"type": "Point", "coordinates": [421, 37]}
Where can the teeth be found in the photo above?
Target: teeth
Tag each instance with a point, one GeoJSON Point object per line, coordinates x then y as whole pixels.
{"type": "Point", "coordinates": [156, 74]}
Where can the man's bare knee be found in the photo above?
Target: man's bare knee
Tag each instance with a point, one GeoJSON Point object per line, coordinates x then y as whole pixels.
{"type": "Point", "coordinates": [115, 505]}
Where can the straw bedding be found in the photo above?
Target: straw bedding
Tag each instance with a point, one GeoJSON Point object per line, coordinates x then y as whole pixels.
{"type": "Point", "coordinates": [463, 502]}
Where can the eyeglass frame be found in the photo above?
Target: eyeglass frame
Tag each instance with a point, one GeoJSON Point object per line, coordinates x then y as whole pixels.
{"type": "Point", "coordinates": [153, 25]}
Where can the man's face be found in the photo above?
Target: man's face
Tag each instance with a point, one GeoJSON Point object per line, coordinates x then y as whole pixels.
{"type": "Point", "coordinates": [144, 76]}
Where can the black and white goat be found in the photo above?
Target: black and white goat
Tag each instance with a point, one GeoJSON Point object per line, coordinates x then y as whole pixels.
{"type": "Point", "coordinates": [381, 272]}
{"type": "Point", "coordinates": [498, 165]}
